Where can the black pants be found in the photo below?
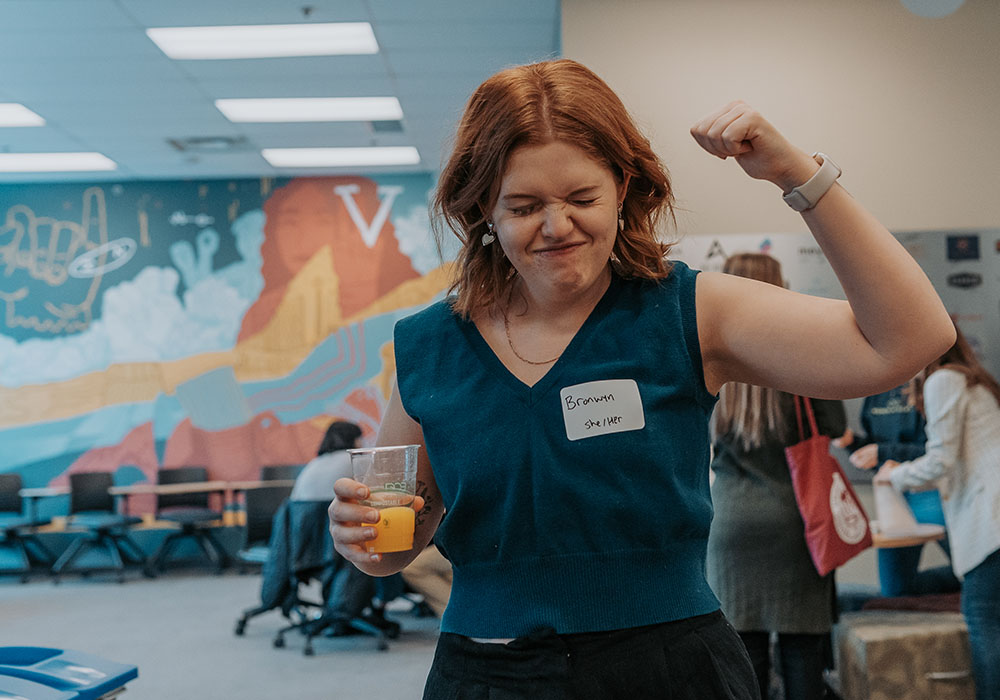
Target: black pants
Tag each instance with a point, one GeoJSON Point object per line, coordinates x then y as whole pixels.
{"type": "Point", "coordinates": [700, 658]}
{"type": "Point", "coordinates": [801, 657]}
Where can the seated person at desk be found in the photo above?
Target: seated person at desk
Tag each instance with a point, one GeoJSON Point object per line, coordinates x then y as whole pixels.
{"type": "Point", "coordinates": [894, 430]}
{"type": "Point", "coordinates": [961, 403]}
{"type": "Point", "coordinates": [315, 482]}
{"type": "Point", "coordinates": [351, 591]}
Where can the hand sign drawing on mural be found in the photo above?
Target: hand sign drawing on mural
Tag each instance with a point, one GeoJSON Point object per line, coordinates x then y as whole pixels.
{"type": "Point", "coordinates": [53, 251]}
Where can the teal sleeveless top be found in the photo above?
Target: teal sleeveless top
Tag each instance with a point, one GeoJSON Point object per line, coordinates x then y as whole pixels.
{"type": "Point", "coordinates": [581, 503]}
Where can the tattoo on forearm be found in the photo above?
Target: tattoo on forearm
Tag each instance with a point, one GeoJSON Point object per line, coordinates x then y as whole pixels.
{"type": "Point", "coordinates": [428, 502]}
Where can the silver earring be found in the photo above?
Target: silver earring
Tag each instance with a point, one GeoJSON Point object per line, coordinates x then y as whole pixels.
{"type": "Point", "coordinates": [489, 236]}
{"type": "Point", "coordinates": [621, 218]}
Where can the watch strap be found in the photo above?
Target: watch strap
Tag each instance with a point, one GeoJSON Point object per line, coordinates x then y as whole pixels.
{"type": "Point", "coordinates": [806, 195]}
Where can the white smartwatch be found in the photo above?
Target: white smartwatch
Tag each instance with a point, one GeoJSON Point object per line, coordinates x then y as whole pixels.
{"type": "Point", "coordinates": [806, 195]}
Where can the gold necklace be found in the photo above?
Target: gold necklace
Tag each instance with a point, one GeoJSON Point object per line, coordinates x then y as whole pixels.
{"type": "Point", "coordinates": [506, 328]}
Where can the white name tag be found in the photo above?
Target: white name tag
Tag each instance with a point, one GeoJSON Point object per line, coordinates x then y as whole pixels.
{"type": "Point", "coordinates": [599, 408]}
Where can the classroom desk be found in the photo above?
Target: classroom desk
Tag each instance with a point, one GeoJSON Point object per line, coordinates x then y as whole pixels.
{"type": "Point", "coordinates": [230, 491]}
{"type": "Point", "coordinates": [209, 487]}
{"type": "Point", "coordinates": [171, 489]}
{"type": "Point", "coordinates": [920, 535]}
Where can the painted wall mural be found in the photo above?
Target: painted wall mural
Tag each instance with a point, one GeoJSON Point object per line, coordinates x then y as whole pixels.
{"type": "Point", "coordinates": [224, 323]}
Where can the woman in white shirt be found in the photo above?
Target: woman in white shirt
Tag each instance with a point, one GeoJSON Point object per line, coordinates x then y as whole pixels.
{"type": "Point", "coordinates": [961, 402]}
{"type": "Point", "coordinates": [315, 482]}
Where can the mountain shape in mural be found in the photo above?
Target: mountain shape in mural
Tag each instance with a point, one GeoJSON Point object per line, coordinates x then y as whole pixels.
{"type": "Point", "coordinates": [137, 449]}
{"type": "Point", "coordinates": [308, 214]}
{"type": "Point", "coordinates": [238, 453]}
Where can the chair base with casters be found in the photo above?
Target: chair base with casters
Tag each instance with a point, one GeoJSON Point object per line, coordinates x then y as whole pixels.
{"type": "Point", "coordinates": [294, 607]}
{"type": "Point", "coordinates": [372, 621]}
{"type": "Point", "coordinates": [105, 532]}
{"type": "Point", "coordinates": [192, 527]}
{"type": "Point", "coordinates": [19, 537]}
{"type": "Point", "coordinates": [281, 575]}
{"type": "Point", "coordinates": [354, 604]}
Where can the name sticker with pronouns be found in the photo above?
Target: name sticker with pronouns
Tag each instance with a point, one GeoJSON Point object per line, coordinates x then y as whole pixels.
{"type": "Point", "coordinates": [602, 407]}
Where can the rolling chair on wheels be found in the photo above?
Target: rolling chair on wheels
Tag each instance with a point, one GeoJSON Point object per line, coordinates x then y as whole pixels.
{"type": "Point", "coordinates": [93, 508]}
{"type": "Point", "coordinates": [17, 530]}
{"type": "Point", "coordinates": [192, 513]}
{"type": "Point", "coordinates": [261, 504]}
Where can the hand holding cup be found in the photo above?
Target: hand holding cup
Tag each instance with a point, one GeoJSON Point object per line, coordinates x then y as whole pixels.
{"type": "Point", "coordinates": [374, 513]}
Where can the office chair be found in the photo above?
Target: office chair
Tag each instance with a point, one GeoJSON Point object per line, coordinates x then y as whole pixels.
{"type": "Point", "coordinates": [352, 601]}
{"type": "Point", "coordinates": [292, 559]}
{"type": "Point", "coordinates": [93, 508]}
{"type": "Point", "coordinates": [192, 513]}
{"type": "Point", "coordinates": [18, 530]}
{"type": "Point", "coordinates": [260, 505]}
{"type": "Point", "coordinates": [277, 472]}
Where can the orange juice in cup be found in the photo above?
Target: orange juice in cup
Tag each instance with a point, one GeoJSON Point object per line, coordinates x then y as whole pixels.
{"type": "Point", "coordinates": [395, 523]}
{"type": "Point", "coordinates": [390, 473]}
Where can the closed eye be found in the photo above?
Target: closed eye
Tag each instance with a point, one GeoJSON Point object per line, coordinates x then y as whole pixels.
{"type": "Point", "coordinates": [523, 211]}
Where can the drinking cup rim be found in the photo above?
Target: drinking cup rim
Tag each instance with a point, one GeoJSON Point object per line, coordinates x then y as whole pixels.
{"type": "Point", "coordinates": [383, 448]}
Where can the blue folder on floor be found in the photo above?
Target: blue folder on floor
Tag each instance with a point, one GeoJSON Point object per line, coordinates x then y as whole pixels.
{"type": "Point", "coordinates": [42, 673]}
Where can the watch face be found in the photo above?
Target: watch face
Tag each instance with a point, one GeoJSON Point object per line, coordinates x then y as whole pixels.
{"type": "Point", "coordinates": [796, 200]}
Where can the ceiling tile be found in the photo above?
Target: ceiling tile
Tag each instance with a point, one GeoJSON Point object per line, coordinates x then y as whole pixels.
{"type": "Point", "coordinates": [446, 11]}
{"type": "Point", "coordinates": [192, 13]}
{"type": "Point", "coordinates": [50, 15]}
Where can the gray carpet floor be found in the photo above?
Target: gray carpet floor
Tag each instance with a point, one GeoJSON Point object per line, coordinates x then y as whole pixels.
{"type": "Point", "coordinates": [178, 630]}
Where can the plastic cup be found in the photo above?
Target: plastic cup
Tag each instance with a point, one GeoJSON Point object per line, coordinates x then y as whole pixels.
{"type": "Point", "coordinates": [390, 473]}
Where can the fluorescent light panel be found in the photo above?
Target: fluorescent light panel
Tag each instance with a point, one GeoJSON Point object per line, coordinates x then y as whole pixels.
{"type": "Point", "coordinates": [14, 114]}
{"type": "Point", "coordinates": [340, 157]}
{"type": "Point", "coordinates": [265, 40]}
{"type": "Point", "coordinates": [54, 162]}
{"type": "Point", "coordinates": [311, 109]}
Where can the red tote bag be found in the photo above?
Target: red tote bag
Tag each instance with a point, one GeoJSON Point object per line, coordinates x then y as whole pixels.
{"type": "Point", "coordinates": [836, 523]}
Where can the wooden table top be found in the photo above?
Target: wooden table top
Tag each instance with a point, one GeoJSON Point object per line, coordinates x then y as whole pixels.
{"type": "Point", "coordinates": [185, 487]}
{"type": "Point", "coordinates": [197, 487]}
{"type": "Point", "coordinates": [43, 491]}
{"type": "Point", "coordinates": [922, 534]}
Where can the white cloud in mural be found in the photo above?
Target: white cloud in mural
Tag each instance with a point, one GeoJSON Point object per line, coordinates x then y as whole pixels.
{"type": "Point", "coordinates": [39, 361]}
{"type": "Point", "coordinates": [413, 231]}
{"type": "Point", "coordinates": [143, 320]}
{"type": "Point", "coordinates": [211, 322]}
{"type": "Point", "coordinates": [139, 315]}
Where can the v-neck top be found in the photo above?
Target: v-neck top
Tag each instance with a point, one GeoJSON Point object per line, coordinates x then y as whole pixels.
{"type": "Point", "coordinates": [580, 503]}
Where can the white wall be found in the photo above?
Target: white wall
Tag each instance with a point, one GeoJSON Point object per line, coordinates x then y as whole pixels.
{"type": "Point", "coordinates": [908, 106]}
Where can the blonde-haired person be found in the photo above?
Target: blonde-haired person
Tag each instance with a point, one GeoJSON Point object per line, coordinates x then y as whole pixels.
{"type": "Point", "coordinates": [562, 394]}
{"type": "Point", "coordinates": [758, 562]}
{"type": "Point", "coordinates": [961, 402]}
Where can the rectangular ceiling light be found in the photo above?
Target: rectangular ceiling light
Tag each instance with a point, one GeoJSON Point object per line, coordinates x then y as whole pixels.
{"type": "Point", "coordinates": [54, 162]}
{"type": "Point", "coordinates": [13, 114]}
{"type": "Point", "coordinates": [265, 40]}
{"type": "Point", "coordinates": [340, 157]}
{"type": "Point", "coordinates": [311, 109]}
